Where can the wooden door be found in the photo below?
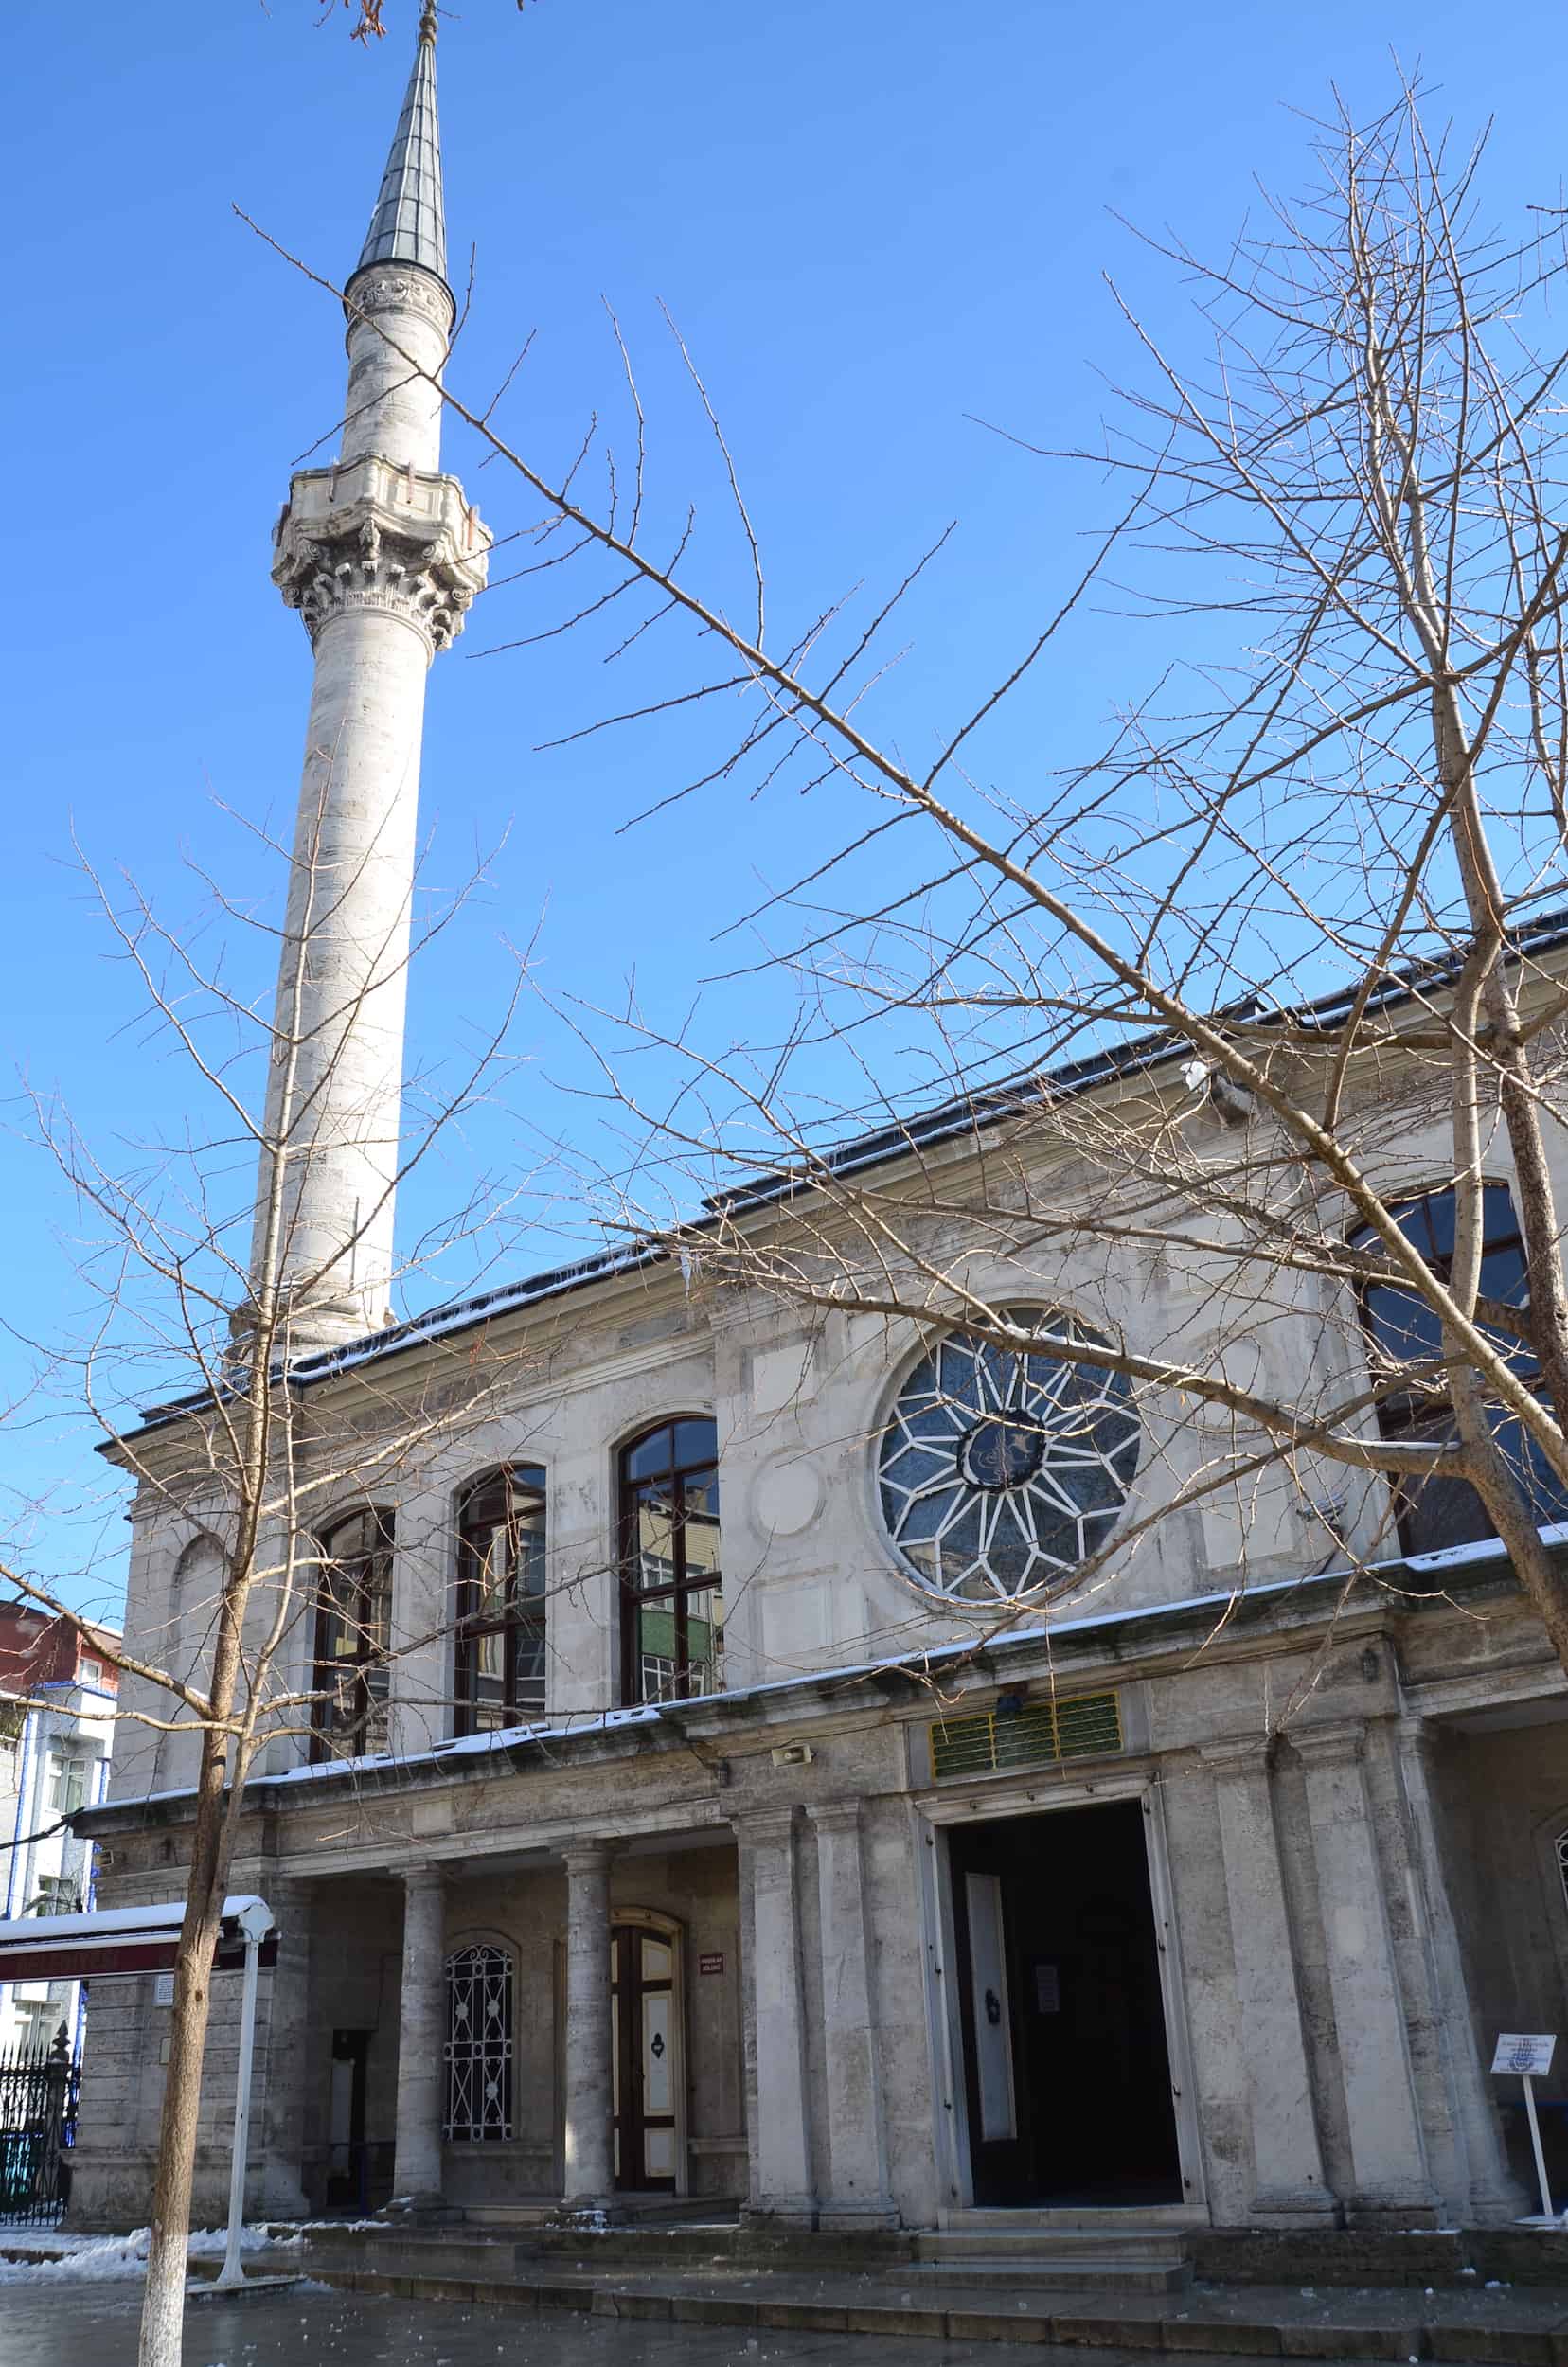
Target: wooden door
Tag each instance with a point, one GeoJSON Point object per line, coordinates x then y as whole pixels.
{"type": "Point", "coordinates": [644, 2056]}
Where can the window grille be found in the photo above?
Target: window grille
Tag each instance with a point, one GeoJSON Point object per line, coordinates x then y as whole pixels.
{"type": "Point", "coordinates": [1562, 1864]}
{"type": "Point", "coordinates": [479, 2046]}
{"type": "Point", "coordinates": [1038, 1734]}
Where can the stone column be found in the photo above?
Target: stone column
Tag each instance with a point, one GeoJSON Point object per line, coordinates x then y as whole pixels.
{"type": "Point", "coordinates": [1388, 2150]}
{"type": "Point", "coordinates": [781, 2146]}
{"type": "Point", "coordinates": [590, 2159]}
{"type": "Point", "coordinates": [857, 2143]}
{"type": "Point", "coordinates": [422, 2038]}
{"type": "Point", "coordinates": [283, 2099]}
{"type": "Point", "coordinates": [1289, 2186]}
{"type": "Point", "coordinates": [1494, 2193]}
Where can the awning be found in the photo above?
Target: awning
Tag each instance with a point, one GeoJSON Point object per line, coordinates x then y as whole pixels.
{"type": "Point", "coordinates": [119, 1941]}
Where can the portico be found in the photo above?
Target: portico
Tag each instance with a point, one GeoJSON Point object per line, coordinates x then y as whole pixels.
{"type": "Point", "coordinates": [553, 2027]}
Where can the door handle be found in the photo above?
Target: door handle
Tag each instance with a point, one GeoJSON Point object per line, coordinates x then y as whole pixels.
{"type": "Point", "coordinates": [994, 2007]}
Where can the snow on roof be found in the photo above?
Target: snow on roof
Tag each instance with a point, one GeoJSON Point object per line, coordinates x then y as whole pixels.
{"type": "Point", "coordinates": [967, 1113]}
{"type": "Point", "coordinates": [653, 1714]}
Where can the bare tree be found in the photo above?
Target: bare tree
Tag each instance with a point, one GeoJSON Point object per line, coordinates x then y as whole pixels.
{"type": "Point", "coordinates": [203, 1295]}
{"type": "Point", "coordinates": [1233, 987]}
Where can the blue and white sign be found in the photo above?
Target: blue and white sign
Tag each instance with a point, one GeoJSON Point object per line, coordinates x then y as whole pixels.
{"type": "Point", "coordinates": [1526, 2055]}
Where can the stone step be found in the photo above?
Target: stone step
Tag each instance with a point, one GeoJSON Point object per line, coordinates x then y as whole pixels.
{"type": "Point", "coordinates": [1037, 2242]}
{"type": "Point", "coordinates": [1391, 2327]}
{"type": "Point", "coordinates": [1055, 2273]}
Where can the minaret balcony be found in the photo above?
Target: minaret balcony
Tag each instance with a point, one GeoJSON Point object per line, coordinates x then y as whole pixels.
{"type": "Point", "coordinates": [366, 534]}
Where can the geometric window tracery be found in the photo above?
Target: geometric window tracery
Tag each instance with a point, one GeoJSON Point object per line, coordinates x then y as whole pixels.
{"type": "Point", "coordinates": [478, 2049]}
{"type": "Point", "coordinates": [1562, 1864]}
{"type": "Point", "coordinates": [1000, 1472]}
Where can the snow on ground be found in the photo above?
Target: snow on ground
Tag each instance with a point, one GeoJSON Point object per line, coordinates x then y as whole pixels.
{"type": "Point", "coordinates": [109, 2259]}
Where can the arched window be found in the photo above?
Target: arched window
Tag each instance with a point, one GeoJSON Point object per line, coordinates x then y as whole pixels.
{"type": "Point", "coordinates": [1402, 1330]}
{"type": "Point", "coordinates": [353, 1633]}
{"type": "Point", "coordinates": [500, 1656]}
{"type": "Point", "coordinates": [478, 2051]}
{"type": "Point", "coordinates": [1560, 1845]}
{"type": "Point", "coordinates": [672, 1603]}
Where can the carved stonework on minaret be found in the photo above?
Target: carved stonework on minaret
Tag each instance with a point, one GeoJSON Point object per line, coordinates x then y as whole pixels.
{"type": "Point", "coordinates": [372, 536]}
{"type": "Point", "coordinates": [393, 288]}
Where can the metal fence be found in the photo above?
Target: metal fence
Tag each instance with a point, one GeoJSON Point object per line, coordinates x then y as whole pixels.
{"type": "Point", "coordinates": [38, 2109]}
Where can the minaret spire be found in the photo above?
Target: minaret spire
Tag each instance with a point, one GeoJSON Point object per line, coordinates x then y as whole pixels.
{"type": "Point", "coordinates": [382, 556]}
{"type": "Point", "coordinates": [409, 223]}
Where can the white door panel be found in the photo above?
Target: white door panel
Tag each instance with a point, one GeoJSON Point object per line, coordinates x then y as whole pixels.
{"type": "Point", "coordinates": [991, 2008]}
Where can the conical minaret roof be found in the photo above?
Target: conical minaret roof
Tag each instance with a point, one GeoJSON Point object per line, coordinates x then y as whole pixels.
{"type": "Point", "coordinates": [409, 223]}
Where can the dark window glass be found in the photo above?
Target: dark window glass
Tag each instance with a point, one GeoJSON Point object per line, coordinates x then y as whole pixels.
{"type": "Point", "coordinates": [672, 1603]}
{"type": "Point", "coordinates": [353, 1633]}
{"type": "Point", "coordinates": [500, 1655]}
{"type": "Point", "coordinates": [1435, 1514]}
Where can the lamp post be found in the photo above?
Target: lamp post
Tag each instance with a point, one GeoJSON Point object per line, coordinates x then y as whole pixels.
{"type": "Point", "coordinates": [255, 1921]}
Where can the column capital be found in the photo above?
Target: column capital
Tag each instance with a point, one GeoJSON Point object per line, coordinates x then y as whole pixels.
{"type": "Point", "coordinates": [586, 1857]}
{"type": "Point", "coordinates": [764, 1825]}
{"type": "Point", "coordinates": [1338, 1745]}
{"type": "Point", "coordinates": [836, 1816]}
{"type": "Point", "coordinates": [1419, 1738]}
{"type": "Point", "coordinates": [427, 1874]}
{"type": "Point", "coordinates": [1233, 1756]}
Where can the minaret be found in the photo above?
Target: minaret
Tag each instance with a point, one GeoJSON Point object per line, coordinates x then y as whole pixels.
{"type": "Point", "coordinates": [382, 556]}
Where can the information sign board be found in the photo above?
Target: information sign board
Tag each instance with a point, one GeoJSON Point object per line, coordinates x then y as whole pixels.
{"type": "Point", "coordinates": [1526, 2055]}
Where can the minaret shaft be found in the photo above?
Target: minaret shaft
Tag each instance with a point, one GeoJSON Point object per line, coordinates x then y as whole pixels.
{"type": "Point", "coordinates": [382, 555]}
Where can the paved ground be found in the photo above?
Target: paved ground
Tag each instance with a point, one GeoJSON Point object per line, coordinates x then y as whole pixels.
{"type": "Point", "coordinates": [95, 2325]}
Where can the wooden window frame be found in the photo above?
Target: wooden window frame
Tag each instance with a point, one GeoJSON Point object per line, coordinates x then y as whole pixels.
{"type": "Point", "coordinates": [327, 1738]}
{"type": "Point", "coordinates": [523, 1616]}
{"type": "Point", "coordinates": [1413, 1418]}
{"type": "Point", "coordinates": [684, 1584]}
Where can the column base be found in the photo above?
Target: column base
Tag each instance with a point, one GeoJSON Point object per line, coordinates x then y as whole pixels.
{"type": "Point", "coordinates": [429, 2205]}
{"type": "Point", "coordinates": [1499, 2203]}
{"type": "Point", "coordinates": [591, 2210]}
{"type": "Point", "coordinates": [878, 2213]}
{"type": "Point", "coordinates": [1293, 2206]}
{"type": "Point", "coordinates": [1386, 2209]}
{"type": "Point", "coordinates": [799, 2211]}
{"type": "Point", "coordinates": [277, 2194]}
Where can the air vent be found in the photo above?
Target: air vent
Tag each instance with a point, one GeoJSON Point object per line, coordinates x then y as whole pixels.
{"type": "Point", "coordinates": [1037, 1736]}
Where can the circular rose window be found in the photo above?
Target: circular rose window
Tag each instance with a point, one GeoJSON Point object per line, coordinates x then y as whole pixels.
{"type": "Point", "coordinates": [1000, 1472]}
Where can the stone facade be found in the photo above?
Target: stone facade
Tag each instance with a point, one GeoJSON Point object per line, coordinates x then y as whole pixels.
{"type": "Point", "coordinates": [1343, 1915]}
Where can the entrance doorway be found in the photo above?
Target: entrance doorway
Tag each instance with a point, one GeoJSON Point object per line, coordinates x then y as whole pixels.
{"type": "Point", "coordinates": [359, 2172]}
{"type": "Point", "coordinates": [1066, 2069]}
{"type": "Point", "coordinates": [645, 2056]}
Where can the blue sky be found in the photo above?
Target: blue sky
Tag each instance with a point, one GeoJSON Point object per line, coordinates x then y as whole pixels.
{"type": "Point", "coordinates": [873, 221]}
